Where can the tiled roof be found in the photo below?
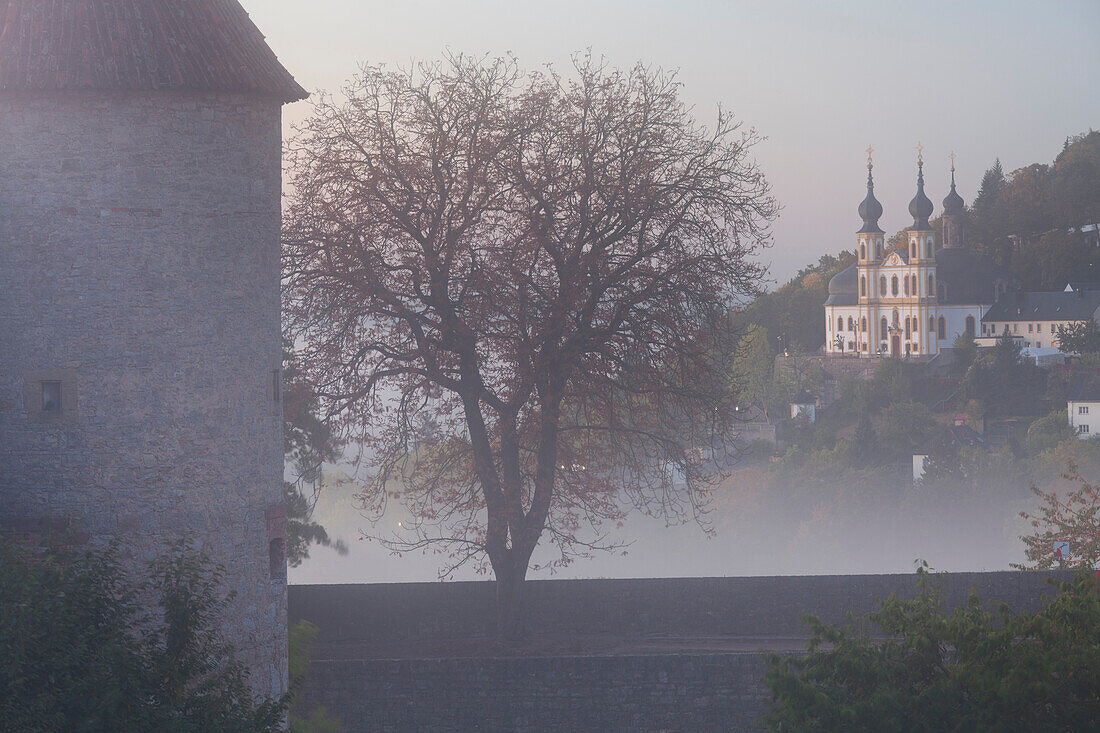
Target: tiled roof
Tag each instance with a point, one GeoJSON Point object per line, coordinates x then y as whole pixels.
{"type": "Point", "coordinates": [198, 45]}
{"type": "Point", "coordinates": [1055, 306]}
{"type": "Point", "coordinates": [968, 276]}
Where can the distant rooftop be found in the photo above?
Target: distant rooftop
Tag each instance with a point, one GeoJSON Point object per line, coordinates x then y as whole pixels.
{"type": "Point", "coordinates": [137, 45]}
{"type": "Point", "coordinates": [1064, 305]}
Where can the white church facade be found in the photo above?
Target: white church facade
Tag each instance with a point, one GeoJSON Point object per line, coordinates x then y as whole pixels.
{"type": "Point", "coordinates": [915, 299]}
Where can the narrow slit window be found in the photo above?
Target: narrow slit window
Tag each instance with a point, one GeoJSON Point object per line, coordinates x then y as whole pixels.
{"type": "Point", "coordinates": [276, 385]}
{"type": "Point", "coordinates": [51, 397]}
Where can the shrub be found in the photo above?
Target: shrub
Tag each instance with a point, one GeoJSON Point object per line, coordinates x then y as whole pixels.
{"type": "Point", "coordinates": [964, 671]}
{"type": "Point", "coordinates": [82, 652]}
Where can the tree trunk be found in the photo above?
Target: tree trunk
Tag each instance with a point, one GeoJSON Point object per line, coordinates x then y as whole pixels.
{"type": "Point", "coordinates": [510, 581]}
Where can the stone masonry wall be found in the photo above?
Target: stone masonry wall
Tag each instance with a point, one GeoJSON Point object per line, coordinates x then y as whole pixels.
{"type": "Point", "coordinates": [679, 607]}
{"type": "Point", "coordinates": [635, 694]}
{"type": "Point", "coordinates": [139, 267]}
{"type": "Point", "coordinates": [722, 691]}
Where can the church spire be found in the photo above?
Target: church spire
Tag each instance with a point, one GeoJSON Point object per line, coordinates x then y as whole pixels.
{"type": "Point", "coordinates": [870, 209]}
{"type": "Point", "coordinates": [920, 207]}
{"type": "Point", "coordinates": [954, 215]}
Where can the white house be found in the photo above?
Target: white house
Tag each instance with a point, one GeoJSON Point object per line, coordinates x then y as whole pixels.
{"type": "Point", "coordinates": [1084, 414]}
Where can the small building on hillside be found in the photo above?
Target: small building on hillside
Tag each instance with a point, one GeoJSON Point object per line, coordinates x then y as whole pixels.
{"type": "Point", "coordinates": [804, 407]}
{"type": "Point", "coordinates": [958, 435]}
{"type": "Point", "coordinates": [1083, 408]}
{"type": "Point", "coordinates": [1033, 318]}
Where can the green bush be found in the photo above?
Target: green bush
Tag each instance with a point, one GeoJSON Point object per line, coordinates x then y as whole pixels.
{"type": "Point", "coordinates": [82, 652]}
{"type": "Point", "coordinates": [970, 670]}
{"type": "Point", "coordinates": [1047, 432]}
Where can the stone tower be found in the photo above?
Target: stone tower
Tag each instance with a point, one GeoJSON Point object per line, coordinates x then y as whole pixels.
{"type": "Point", "coordinates": [140, 178]}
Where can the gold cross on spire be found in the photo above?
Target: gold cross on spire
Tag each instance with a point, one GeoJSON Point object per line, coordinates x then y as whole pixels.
{"type": "Point", "coordinates": [920, 153]}
{"type": "Point", "coordinates": [952, 156]}
{"type": "Point", "coordinates": [869, 151]}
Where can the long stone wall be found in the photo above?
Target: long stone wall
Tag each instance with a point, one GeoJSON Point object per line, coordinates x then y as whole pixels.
{"type": "Point", "coordinates": [681, 607]}
{"type": "Point", "coordinates": [388, 657]}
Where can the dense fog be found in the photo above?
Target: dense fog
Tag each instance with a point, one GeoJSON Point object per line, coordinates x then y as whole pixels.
{"type": "Point", "coordinates": [760, 527]}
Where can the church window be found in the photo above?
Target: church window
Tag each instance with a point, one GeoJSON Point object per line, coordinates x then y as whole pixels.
{"type": "Point", "coordinates": [894, 286]}
{"type": "Point", "coordinates": [878, 249]}
{"type": "Point", "coordinates": [931, 284]}
{"type": "Point", "coordinates": [908, 330]}
{"type": "Point", "coordinates": [970, 326]}
{"type": "Point", "coordinates": [916, 290]}
{"type": "Point", "coordinates": [863, 251]}
{"type": "Point", "coordinates": [928, 248]}
{"type": "Point", "coordinates": [863, 325]}
{"type": "Point", "coordinates": [884, 328]}
{"type": "Point", "coordinates": [907, 285]}
{"type": "Point", "coordinates": [1029, 327]}
{"type": "Point", "coordinates": [840, 324]}
{"type": "Point", "coordinates": [931, 325]}
{"type": "Point", "coordinates": [851, 324]}
{"type": "Point", "coordinates": [943, 329]}
{"type": "Point", "coordinates": [913, 249]}
{"type": "Point", "coordinates": [897, 319]}
{"type": "Point", "coordinates": [882, 285]}
{"type": "Point", "coordinates": [863, 286]}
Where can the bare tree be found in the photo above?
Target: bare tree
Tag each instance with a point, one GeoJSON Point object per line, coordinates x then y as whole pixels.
{"type": "Point", "coordinates": [510, 287]}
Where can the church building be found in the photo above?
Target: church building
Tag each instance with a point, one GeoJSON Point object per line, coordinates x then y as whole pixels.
{"type": "Point", "coordinates": [912, 300]}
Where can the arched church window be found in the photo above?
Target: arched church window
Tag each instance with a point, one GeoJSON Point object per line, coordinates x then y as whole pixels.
{"type": "Point", "coordinates": [882, 285]}
{"type": "Point", "coordinates": [878, 249]}
{"type": "Point", "coordinates": [863, 286]}
{"type": "Point", "coordinates": [943, 293]}
{"type": "Point", "coordinates": [839, 324]}
{"type": "Point", "coordinates": [946, 236]}
{"type": "Point", "coordinates": [884, 328]}
{"type": "Point", "coordinates": [928, 248]}
{"type": "Point", "coordinates": [907, 285]}
{"type": "Point", "coordinates": [912, 249]}
{"type": "Point", "coordinates": [908, 330]}
{"type": "Point", "coordinates": [931, 325]}
{"type": "Point", "coordinates": [970, 326]}
{"type": "Point", "coordinates": [916, 290]}
{"type": "Point", "coordinates": [851, 324]}
{"type": "Point", "coordinates": [894, 285]}
{"type": "Point", "coordinates": [943, 329]}
{"type": "Point", "coordinates": [931, 284]}
{"type": "Point", "coordinates": [863, 325]}
{"type": "Point", "coordinates": [863, 251]}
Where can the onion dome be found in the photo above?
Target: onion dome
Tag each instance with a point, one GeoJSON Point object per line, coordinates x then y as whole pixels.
{"type": "Point", "coordinates": [920, 207]}
{"type": "Point", "coordinates": [953, 204]}
{"type": "Point", "coordinates": [870, 209]}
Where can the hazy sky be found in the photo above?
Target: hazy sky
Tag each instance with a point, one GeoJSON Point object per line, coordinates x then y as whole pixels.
{"type": "Point", "coordinates": [821, 80]}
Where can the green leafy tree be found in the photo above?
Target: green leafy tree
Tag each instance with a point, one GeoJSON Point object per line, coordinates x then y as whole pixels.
{"type": "Point", "coordinates": [907, 428]}
{"type": "Point", "coordinates": [752, 369]}
{"type": "Point", "coordinates": [965, 352]}
{"type": "Point", "coordinates": [912, 666]}
{"type": "Point", "coordinates": [1047, 432]}
{"type": "Point", "coordinates": [308, 443]}
{"type": "Point", "coordinates": [1082, 337]}
{"type": "Point", "coordinates": [83, 651]}
{"type": "Point", "coordinates": [1073, 517]}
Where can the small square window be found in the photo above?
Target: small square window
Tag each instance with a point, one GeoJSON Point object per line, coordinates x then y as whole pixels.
{"type": "Point", "coordinates": [1083, 429]}
{"type": "Point", "coordinates": [51, 397]}
{"type": "Point", "coordinates": [1083, 410]}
